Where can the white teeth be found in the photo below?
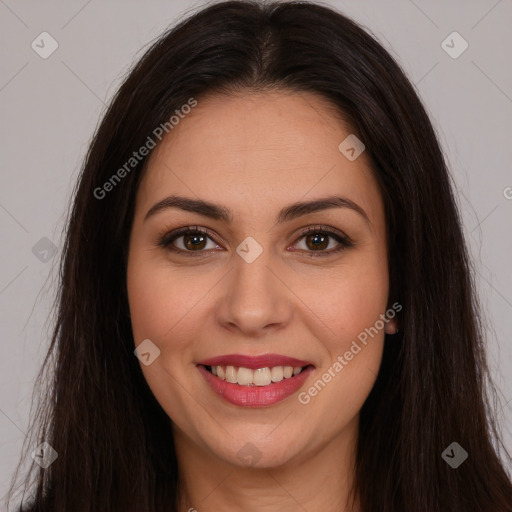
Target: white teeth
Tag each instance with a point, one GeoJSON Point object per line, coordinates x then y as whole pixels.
{"type": "Point", "coordinates": [231, 374]}
{"type": "Point", "coordinates": [262, 377]}
{"type": "Point", "coordinates": [244, 376]}
{"type": "Point", "coordinates": [276, 374]}
{"type": "Point", "coordinates": [258, 377]}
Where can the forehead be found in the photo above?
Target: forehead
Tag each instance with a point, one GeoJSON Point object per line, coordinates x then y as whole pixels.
{"type": "Point", "coordinates": [254, 150]}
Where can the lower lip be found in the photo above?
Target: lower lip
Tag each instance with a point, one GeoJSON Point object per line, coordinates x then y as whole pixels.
{"type": "Point", "coordinates": [255, 396]}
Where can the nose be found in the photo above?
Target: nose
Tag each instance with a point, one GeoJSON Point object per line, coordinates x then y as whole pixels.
{"type": "Point", "coordinates": [256, 299]}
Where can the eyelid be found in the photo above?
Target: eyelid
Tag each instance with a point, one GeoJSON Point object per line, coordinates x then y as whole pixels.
{"type": "Point", "coordinates": [343, 240]}
{"type": "Point", "coordinates": [323, 228]}
{"type": "Point", "coordinates": [167, 237]}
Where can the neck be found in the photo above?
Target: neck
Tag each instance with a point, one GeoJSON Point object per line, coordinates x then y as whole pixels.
{"type": "Point", "coordinates": [316, 481]}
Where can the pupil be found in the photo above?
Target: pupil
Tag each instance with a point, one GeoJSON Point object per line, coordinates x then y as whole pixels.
{"type": "Point", "coordinates": [195, 243]}
{"type": "Point", "coordinates": [321, 244]}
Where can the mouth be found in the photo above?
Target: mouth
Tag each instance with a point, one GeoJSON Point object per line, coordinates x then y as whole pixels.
{"type": "Point", "coordinates": [258, 377]}
{"type": "Point", "coordinates": [255, 381]}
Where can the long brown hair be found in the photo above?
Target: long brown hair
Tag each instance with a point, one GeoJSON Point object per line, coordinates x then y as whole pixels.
{"type": "Point", "coordinates": [114, 441]}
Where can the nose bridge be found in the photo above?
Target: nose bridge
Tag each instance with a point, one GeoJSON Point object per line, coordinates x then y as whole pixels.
{"type": "Point", "coordinates": [256, 298]}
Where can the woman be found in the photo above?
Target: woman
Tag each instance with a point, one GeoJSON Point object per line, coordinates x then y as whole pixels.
{"type": "Point", "coordinates": [265, 220]}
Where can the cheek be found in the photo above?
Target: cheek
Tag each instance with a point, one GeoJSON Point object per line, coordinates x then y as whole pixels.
{"type": "Point", "coordinates": [347, 375]}
{"type": "Point", "coordinates": [350, 300]}
{"type": "Point", "coordinates": [359, 307]}
{"type": "Point", "coordinates": [148, 307]}
{"type": "Point", "coordinates": [160, 305]}
{"type": "Point", "coordinates": [159, 298]}
{"type": "Point", "coordinates": [352, 310]}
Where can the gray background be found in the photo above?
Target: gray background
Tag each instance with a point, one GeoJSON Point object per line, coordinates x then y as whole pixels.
{"type": "Point", "coordinates": [50, 107]}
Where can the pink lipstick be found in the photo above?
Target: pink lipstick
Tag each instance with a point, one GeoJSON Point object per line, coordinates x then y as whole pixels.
{"type": "Point", "coordinates": [255, 381]}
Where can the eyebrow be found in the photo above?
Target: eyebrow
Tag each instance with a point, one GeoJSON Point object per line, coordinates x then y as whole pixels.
{"type": "Point", "coordinates": [220, 212]}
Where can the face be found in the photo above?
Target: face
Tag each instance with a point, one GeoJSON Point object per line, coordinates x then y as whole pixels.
{"type": "Point", "coordinates": [267, 286]}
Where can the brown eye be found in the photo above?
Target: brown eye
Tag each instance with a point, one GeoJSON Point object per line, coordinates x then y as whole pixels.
{"type": "Point", "coordinates": [188, 240]}
{"type": "Point", "coordinates": [319, 239]}
{"type": "Point", "coordinates": [194, 241]}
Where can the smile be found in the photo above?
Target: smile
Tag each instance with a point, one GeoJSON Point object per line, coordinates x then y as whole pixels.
{"type": "Point", "coordinates": [259, 377]}
{"type": "Point", "coordinates": [255, 381]}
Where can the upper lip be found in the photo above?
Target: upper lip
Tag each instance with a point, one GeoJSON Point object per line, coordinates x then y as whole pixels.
{"type": "Point", "coordinates": [254, 362]}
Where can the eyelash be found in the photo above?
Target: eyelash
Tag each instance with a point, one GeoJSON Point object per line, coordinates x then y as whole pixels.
{"type": "Point", "coordinates": [166, 239]}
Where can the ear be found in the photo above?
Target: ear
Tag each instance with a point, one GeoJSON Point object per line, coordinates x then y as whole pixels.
{"type": "Point", "coordinates": [392, 326]}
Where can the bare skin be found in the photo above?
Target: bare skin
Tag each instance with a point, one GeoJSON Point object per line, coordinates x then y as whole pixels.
{"type": "Point", "coordinates": [256, 153]}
